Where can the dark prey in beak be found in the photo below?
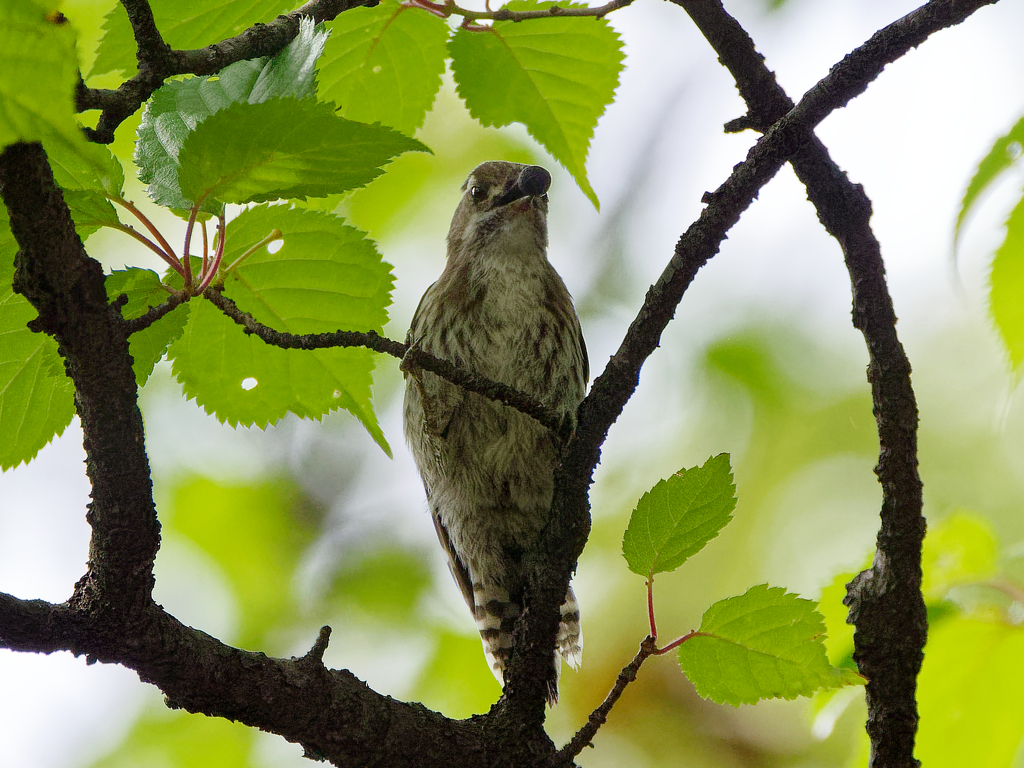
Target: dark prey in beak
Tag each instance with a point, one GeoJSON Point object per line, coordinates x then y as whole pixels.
{"type": "Point", "coordinates": [533, 181]}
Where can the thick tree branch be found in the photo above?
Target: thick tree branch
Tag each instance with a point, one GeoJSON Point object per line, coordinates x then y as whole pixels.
{"type": "Point", "coordinates": [67, 289]}
{"type": "Point", "coordinates": [331, 713]}
{"type": "Point", "coordinates": [157, 61]}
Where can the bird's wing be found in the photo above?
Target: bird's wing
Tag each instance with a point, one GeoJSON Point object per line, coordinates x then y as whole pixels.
{"type": "Point", "coordinates": [439, 399]}
{"type": "Point", "coordinates": [455, 564]}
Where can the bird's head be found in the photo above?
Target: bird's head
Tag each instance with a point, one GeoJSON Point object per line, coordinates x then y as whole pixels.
{"type": "Point", "coordinates": [506, 201]}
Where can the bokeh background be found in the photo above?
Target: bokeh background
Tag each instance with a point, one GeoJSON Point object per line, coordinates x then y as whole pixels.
{"type": "Point", "coordinates": [270, 534]}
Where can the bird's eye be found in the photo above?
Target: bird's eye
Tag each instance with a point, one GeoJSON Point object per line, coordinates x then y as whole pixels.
{"type": "Point", "coordinates": [477, 193]}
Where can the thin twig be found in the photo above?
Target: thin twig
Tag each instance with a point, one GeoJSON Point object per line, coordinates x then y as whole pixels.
{"type": "Point", "coordinates": [599, 716]}
{"type": "Point", "coordinates": [186, 255]}
{"type": "Point", "coordinates": [142, 322]}
{"type": "Point", "coordinates": [157, 64]}
{"type": "Point", "coordinates": [210, 269]}
{"type": "Point", "coordinates": [129, 230]}
{"type": "Point", "coordinates": [650, 608]}
{"type": "Point", "coordinates": [412, 358]}
{"type": "Point", "coordinates": [129, 206]}
{"type": "Point", "coordinates": [451, 8]}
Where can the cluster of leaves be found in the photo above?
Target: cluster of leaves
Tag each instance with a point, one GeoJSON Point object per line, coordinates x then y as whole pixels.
{"type": "Point", "coordinates": [766, 643]}
{"type": "Point", "coordinates": [384, 65]}
{"type": "Point", "coordinates": [322, 118]}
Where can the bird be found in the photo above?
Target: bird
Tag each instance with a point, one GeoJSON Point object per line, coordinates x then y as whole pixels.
{"type": "Point", "coordinates": [499, 310]}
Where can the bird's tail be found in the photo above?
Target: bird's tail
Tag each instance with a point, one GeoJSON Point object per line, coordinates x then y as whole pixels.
{"type": "Point", "coordinates": [496, 616]}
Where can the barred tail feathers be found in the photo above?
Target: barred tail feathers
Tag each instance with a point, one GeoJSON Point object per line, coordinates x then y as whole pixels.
{"type": "Point", "coordinates": [570, 634]}
{"type": "Point", "coordinates": [496, 616]}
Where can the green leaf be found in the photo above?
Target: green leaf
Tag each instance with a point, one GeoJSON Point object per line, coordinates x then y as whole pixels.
{"type": "Point", "coordinates": [144, 290]}
{"type": "Point", "coordinates": [39, 74]}
{"type": "Point", "coordinates": [764, 644]}
{"type": "Point", "coordinates": [177, 107]}
{"type": "Point", "coordinates": [555, 76]}
{"type": "Point", "coordinates": [1004, 153]}
{"type": "Point", "coordinates": [384, 64]}
{"type": "Point", "coordinates": [293, 148]}
{"type": "Point", "coordinates": [325, 277]}
{"type": "Point", "coordinates": [36, 398]}
{"type": "Point", "coordinates": [293, 71]}
{"type": "Point", "coordinates": [1006, 286]}
{"type": "Point", "coordinates": [90, 168]}
{"type": "Point", "coordinates": [89, 176]}
{"type": "Point", "coordinates": [184, 25]}
{"type": "Point", "coordinates": [678, 516]}
{"type": "Point", "coordinates": [90, 211]}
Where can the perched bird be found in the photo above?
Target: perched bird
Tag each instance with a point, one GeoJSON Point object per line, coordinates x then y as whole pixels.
{"type": "Point", "coordinates": [501, 311]}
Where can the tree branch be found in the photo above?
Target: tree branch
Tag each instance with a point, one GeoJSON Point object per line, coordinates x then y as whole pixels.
{"type": "Point", "coordinates": [412, 358]}
{"type": "Point", "coordinates": [66, 287]}
{"type": "Point", "coordinates": [555, 557]}
{"type": "Point", "coordinates": [451, 8]}
{"type": "Point", "coordinates": [157, 61]}
{"type": "Point", "coordinates": [886, 601]}
{"type": "Point", "coordinates": [331, 713]}
{"type": "Point", "coordinates": [599, 716]}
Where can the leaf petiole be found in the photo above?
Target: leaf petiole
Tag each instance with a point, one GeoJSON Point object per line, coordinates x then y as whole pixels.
{"type": "Point", "coordinates": [170, 259]}
{"type": "Point", "coordinates": [678, 641]}
{"type": "Point", "coordinates": [210, 271]}
{"type": "Point", "coordinates": [129, 206]}
{"type": "Point", "coordinates": [186, 260]}
{"type": "Point", "coordinates": [650, 606]}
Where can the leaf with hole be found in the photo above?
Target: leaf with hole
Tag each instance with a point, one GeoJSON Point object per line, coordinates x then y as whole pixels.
{"type": "Point", "coordinates": [326, 277]}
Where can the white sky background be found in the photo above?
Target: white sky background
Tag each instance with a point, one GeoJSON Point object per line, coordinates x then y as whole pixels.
{"type": "Point", "coordinates": [913, 140]}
